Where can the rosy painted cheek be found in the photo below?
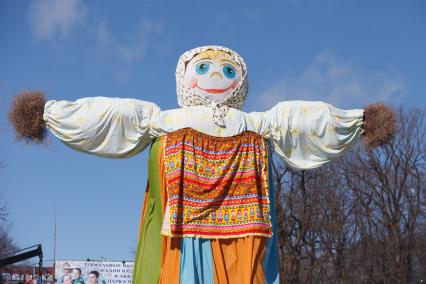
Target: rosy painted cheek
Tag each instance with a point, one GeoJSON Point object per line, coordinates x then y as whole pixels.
{"type": "Point", "coordinates": [235, 84]}
{"type": "Point", "coordinates": [193, 83]}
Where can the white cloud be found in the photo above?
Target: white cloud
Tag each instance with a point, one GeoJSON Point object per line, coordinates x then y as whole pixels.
{"type": "Point", "coordinates": [51, 18]}
{"type": "Point", "coordinates": [54, 20]}
{"type": "Point", "coordinates": [338, 81]}
{"type": "Point", "coordinates": [147, 31]}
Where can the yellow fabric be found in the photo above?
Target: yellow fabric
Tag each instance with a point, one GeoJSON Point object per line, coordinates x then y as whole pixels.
{"type": "Point", "coordinates": [170, 268]}
{"type": "Point", "coordinates": [238, 260]}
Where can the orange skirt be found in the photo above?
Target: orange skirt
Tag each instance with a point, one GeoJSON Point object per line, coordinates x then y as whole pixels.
{"type": "Point", "coordinates": [161, 259]}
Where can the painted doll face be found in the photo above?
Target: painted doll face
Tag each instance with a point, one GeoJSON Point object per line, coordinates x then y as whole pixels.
{"type": "Point", "coordinates": [212, 74]}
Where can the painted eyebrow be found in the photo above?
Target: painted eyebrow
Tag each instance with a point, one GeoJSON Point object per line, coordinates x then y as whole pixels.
{"type": "Point", "coordinates": [227, 60]}
{"type": "Point", "coordinates": [233, 64]}
{"type": "Point", "coordinates": [204, 58]}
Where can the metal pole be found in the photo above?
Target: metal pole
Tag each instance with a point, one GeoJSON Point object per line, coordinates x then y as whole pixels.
{"type": "Point", "coordinates": [54, 251]}
{"type": "Point", "coordinates": [40, 264]}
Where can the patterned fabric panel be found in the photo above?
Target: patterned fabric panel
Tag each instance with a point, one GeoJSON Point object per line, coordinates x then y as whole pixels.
{"type": "Point", "coordinates": [217, 186]}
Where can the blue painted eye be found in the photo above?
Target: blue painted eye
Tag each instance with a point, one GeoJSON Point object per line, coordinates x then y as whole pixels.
{"type": "Point", "coordinates": [202, 68]}
{"type": "Point", "coordinates": [229, 71]}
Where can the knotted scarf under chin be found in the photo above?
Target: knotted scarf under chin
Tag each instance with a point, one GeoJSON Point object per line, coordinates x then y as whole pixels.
{"type": "Point", "coordinates": [220, 110]}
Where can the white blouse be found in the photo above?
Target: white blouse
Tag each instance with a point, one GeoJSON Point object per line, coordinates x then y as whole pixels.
{"type": "Point", "coordinates": [305, 134]}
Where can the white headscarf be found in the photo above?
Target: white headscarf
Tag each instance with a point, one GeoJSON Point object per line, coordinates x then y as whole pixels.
{"type": "Point", "coordinates": [189, 97]}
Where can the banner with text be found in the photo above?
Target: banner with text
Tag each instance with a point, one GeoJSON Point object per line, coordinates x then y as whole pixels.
{"type": "Point", "coordinates": [93, 272]}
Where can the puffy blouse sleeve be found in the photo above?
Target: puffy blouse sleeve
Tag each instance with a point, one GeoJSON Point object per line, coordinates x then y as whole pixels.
{"type": "Point", "coordinates": [308, 134]}
{"type": "Point", "coordinates": [108, 127]}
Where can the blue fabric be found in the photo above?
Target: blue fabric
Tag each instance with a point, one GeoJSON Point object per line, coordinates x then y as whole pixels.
{"type": "Point", "coordinates": [270, 261]}
{"type": "Point", "coordinates": [196, 261]}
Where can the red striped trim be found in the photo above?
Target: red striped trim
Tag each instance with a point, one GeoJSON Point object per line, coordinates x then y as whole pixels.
{"type": "Point", "coordinates": [247, 202]}
{"type": "Point", "coordinates": [214, 156]}
{"type": "Point", "coordinates": [241, 232]}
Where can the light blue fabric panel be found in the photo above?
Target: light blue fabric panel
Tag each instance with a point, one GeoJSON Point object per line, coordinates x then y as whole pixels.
{"type": "Point", "coordinates": [196, 261]}
{"type": "Point", "coordinates": [271, 259]}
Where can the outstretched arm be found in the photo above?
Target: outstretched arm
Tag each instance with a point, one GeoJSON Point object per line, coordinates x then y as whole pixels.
{"type": "Point", "coordinates": [108, 127]}
{"type": "Point", "coordinates": [308, 134]}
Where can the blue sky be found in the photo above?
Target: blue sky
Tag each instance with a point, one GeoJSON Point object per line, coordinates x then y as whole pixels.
{"type": "Point", "coordinates": [349, 53]}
